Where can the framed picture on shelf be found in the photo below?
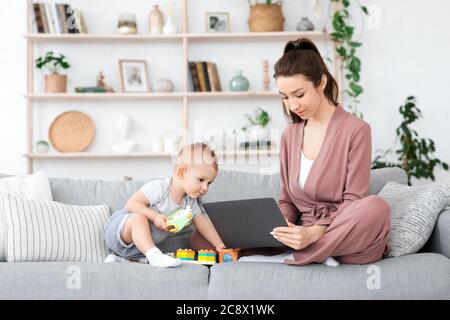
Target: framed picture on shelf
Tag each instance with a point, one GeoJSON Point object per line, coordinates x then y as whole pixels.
{"type": "Point", "coordinates": [134, 76]}
{"type": "Point", "coordinates": [217, 21]}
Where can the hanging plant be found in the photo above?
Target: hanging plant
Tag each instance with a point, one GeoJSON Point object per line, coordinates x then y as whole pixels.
{"type": "Point", "coordinates": [415, 155]}
{"type": "Point", "coordinates": [346, 46]}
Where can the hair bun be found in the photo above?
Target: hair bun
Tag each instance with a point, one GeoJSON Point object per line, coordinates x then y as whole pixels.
{"type": "Point", "coordinates": [300, 44]}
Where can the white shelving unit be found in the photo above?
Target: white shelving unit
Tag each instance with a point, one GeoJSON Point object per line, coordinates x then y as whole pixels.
{"type": "Point", "coordinates": [185, 96]}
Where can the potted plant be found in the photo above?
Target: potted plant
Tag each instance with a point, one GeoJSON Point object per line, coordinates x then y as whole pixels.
{"type": "Point", "coordinates": [415, 154]}
{"type": "Point", "coordinates": [255, 130]}
{"type": "Point", "coordinates": [54, 82]}
{"type": "Point", "coordinates": [266, 17]}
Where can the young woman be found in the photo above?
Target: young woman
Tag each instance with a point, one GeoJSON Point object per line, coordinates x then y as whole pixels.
{"type": "Point", "coordinates": [325, 161]}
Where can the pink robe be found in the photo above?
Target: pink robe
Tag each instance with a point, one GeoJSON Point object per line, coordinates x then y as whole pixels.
{"type": "Point", "coordinates": [335, 193]}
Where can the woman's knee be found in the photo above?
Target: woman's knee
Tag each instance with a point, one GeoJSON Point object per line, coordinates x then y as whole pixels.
{"type": "Point", "coordinates": [373, 210]}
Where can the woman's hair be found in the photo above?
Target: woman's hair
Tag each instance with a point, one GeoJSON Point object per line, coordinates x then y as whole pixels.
{"type": "Point", "coordinates": [302, 57]}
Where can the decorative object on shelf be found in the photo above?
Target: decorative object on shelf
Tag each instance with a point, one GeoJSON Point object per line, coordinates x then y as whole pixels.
{"type": "Point", "coordinates": [127, 23]}
{"type": "Point", "coordinates": [266, 79]}
{"type": "Point", "coordinates": [101, 86]}
{"type": "Point", "coordinates": [156, 20]}
{"type": "Point", "coordinates": [305, 25]}
{"type": "Point", "coordinates": [239, 82]}
{"type": "Point", "coordinates": [72, 131]}
{"type": "Point", "coordinates": [266, 17]}
{"type": "Point", "coordinates": [157, 144]}
{"type": "Point", "coordinates": [163, 85]}
{"type": "Point", "coordinates": [123, 144]}
{"type": "Point", "coordinates": [133, 76]}
{"type": "Point", "coordinates": [55, 82]}
{"type": "Point", "coordinates": [127, 178]}
{"type": "Point", "coordinates": [42, 146]}
{"type": "Point", "coordinates": [318, 15]}
{"type": "Point", "coordinates": [217, 21]}
{"type": "Point", "coordinates": [169, 27]}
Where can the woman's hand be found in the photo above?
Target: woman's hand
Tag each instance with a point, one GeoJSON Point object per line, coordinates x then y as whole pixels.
{"type": "Point", "coordinates": [160, 222]}
{"type": "Point", "coordinates": [298, 237]}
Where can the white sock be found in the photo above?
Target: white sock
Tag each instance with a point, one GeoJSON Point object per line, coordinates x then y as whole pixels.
{"type": "Point", "coordinates": [115, 258]}
{"type": "Point", "coordinates": [158, 259]}
{"type": "Point", "coordinates": [331, 262]}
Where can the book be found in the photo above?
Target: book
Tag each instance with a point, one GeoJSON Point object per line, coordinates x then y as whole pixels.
{"type": "Point", "coordinates": [50, 18]}
{"type": "Point", "coordinates": [194, 76]}
{"type": "Point", "coordinates": [201, 75]}
{"type": "Point", "coordinates": [205, 74]}
{"type": "Point", "coordinates": [213, 77]}
{"type": "Point", "coordinates": [90, 90]}
{"type": "Point", "coordinates": [63, 18]}
{"type": "Point", "coordinates": [44, 18]}
{"type": "Point", "coordinates": [38, 18]}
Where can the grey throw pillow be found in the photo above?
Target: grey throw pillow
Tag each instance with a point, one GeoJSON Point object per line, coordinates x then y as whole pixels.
{"type": "Point", "coordinates": [414, 211]}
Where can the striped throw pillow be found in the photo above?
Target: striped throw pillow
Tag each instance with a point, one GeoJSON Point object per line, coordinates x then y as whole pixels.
{"type": "Point", "coordinates": [39, 230]}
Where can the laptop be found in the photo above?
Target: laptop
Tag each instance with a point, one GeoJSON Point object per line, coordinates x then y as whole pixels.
{"type": "Point", "coordinates": [246, 223]}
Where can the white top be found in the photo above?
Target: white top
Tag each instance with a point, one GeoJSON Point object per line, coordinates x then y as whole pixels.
{"type": "Point", "coordinates": [305, 167]}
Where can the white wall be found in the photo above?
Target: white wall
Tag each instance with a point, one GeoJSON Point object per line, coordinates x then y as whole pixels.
{"type": "Point", "coordinates": [398, 58]}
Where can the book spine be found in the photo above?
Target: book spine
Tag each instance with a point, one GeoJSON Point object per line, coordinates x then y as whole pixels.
{"type": "Point", "coordinates": [190, 80]}
{"type": "Point", "coordinates": [56, 20]}
{"type": "Point", "coordinates": [44, 17]}
{"type": "Point", "coordinates": [205, 74]}
{"type": "Point", "coordinates": [194, 75]}
{"type": "Point", "coordinates": [38, 18]}
{"type": "Point", "coordinates": [63, 18]}
{"type": "Point", "coordinates": [209, 66]}
{"type": "Point", "coordinates": [216, 78]}
{"type": "Point", "coordinates": [48, 12]}
{"type": "Point", "coordinates": [201, 76]}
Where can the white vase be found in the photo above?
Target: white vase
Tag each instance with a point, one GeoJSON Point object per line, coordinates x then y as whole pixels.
{"type": "Point", "coordinates": [169, 27]}
{"type": "Point", "coordinates": [156, 20]}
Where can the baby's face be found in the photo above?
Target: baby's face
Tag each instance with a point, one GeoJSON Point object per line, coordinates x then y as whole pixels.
{"type": "Point", "coordinates": [197, 179]}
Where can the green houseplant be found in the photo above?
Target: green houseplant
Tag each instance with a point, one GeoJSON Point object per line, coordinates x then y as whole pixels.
{"type": "Point", "coordinates": [415, 154]}
{"type": "Point", "coordinates": [54, 82]}
{"type": "Point", "coordinates": [255, 131]}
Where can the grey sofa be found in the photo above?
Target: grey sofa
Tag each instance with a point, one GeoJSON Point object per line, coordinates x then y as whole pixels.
{"type": "Point", "coordinates": [424, 275]}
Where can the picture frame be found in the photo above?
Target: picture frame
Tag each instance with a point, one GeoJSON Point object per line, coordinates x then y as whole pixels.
{"type": "Point", "coordinates": [134, 76]}
{"type": "Point", "coordinates": [217, 22]}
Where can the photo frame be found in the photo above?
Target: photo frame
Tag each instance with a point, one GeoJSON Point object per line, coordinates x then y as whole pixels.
{"type": "Point", "coordinates": [134, 76]}
{"type": "Point", "coordinates": [217, 22]}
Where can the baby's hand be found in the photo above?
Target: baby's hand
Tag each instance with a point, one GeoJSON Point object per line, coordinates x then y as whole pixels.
{"type": "Point", "coordinates": [220, 247]}
{"type": "Point", "coordinates": [160, 222]}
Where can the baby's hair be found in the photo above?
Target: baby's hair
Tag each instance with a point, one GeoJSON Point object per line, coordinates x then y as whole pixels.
{"type": "Point", "coordinates": [198, 153]}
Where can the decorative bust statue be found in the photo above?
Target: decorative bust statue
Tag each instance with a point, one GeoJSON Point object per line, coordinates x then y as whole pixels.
{"type": "Point", "coordinates": [123, 143]}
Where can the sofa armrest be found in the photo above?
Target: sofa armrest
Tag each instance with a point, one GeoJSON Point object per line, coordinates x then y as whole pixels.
{"type": "Point", "coordinates": [439, 241]}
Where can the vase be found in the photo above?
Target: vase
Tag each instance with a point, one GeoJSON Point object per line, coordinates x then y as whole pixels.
{"type": "Point", "coordinates": [156, 20]}
{"type": "Point", "coordinates": [127, 23]}
{"type": "Point", "coordinates": [239, 82]}
{"type": "Point", "coordinates": [42, 146]}
{"type": "Point", "coordinates": [55, 83]}
{"type": "Point", "coordinates": [163, 85]}
{"type": "Point", "coordinates": [169, 27]}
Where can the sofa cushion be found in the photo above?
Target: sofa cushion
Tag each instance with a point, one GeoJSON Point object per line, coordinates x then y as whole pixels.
{"type": "Point", "coordinates": [414, 211]}
{"type": "Point", "coordinates": [418, 276]}
{"type": "Point", "coordinates": [106, 281]}
{"type": "Point", "coordinates": [51, 231]}
{"type": "Point", "coordinates": [439, 241]}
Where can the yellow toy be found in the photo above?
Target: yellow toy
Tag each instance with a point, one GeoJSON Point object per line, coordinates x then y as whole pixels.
{"type": "Point", "coordinates": [209, 256]}
{"type": "Point", "coordinates": [185, 254]}
{"type": "Point", "coordinates": [206, 257]}
{"type": "Point", "coordinates": [179, 220]}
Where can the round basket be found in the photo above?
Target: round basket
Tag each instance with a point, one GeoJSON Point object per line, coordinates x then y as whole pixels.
{"type": "Point", "coordinates": [266, 17]}
{"type": "Point", "coordinates": [71, 131]}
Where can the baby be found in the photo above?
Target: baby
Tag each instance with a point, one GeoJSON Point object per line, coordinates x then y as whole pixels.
{"type": "Point", "coordinates": [133, 232]}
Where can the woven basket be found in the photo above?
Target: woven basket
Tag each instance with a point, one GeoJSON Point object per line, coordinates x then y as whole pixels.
{"type": "Point", "coordinates": [266, 17]}
{"type": "Point", "coordinates": [71, 131]}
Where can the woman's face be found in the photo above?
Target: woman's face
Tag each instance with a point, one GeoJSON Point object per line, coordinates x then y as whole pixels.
{"type": "Point", "coordinates": [300, 96]}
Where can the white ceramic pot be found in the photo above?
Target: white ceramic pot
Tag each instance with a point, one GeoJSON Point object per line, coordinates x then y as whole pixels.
{"type": "Point", "coordinates": [163, 85]}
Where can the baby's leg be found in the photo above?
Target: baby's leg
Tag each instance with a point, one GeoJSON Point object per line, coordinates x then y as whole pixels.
{"type": "Point", "coordinates": [137, 230]}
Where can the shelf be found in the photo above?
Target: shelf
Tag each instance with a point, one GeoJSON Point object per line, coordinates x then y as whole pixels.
{"type": "Point", "coordinates": [103, 96]}
{"type": "Point", "coordinates": [195, 37]}
{"type": "Point", "coordinates": [91, 156]}
{"type": "Point", "coordinates": [105, 38]}
{"type": "Point", "coordinates": [257, 36]}
{"type": "Point", "coordinates": [231, 94]}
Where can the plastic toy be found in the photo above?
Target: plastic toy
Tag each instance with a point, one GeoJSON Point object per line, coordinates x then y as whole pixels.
{"type": "Point", "coordinates": [185, 254]}
{"type": "Point", "coordinates": [207, 257]}
{"type": "Point", "coordinates": [179, 220]}
{"type": "Point", "coordinates": [229, 255]}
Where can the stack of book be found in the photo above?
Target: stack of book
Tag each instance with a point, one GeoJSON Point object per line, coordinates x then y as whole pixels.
{"type": "Point", "coordinates": [203, 76]}
{"type": "Point", "coordinates": [58, 18]}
